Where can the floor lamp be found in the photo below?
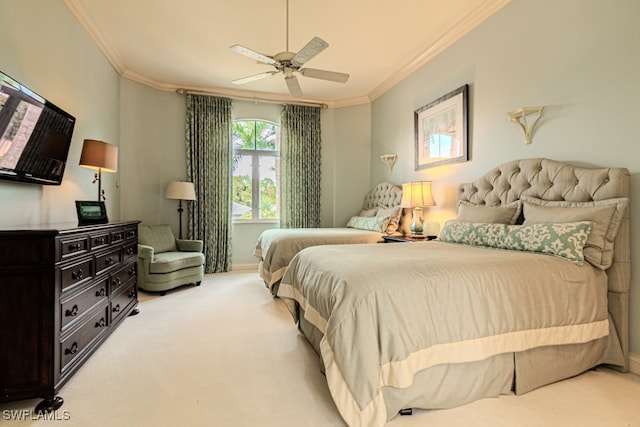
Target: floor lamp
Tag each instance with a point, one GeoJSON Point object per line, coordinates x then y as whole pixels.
{"type": "Point", "coordinates": [180, 190]}
{"type": "Point", "coordinates": [101, 156]}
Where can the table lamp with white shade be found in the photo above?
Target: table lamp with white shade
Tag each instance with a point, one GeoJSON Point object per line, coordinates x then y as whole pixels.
{"type": "Point", "coordinates": [416, 195]}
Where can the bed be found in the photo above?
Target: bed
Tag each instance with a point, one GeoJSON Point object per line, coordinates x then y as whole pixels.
{"type": "Point", "coordinates": [381, 214]}
{"type": "Point", "coordinates": [492, 308]}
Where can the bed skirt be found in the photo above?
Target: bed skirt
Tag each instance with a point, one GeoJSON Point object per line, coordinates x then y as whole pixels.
{"type": "Point", "coordinates": [461, 383]}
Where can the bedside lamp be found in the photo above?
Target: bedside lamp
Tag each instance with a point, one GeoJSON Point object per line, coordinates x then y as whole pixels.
{"type": "Point", "coordinates": [416, 195]}
{"type": "Point", "coordinates": [180, 190]}
{"type": "Point", "coordinates": [101, 156]}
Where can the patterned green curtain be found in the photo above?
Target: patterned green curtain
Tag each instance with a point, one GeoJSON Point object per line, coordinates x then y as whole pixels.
{"type": "Point", "coordinates": [208, 131]}
{"type": "Point", "coordinates": [300, 157]}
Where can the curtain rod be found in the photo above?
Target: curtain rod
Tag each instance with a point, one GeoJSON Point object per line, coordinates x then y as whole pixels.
{"type": "Point", "coordinates": [251, 98]}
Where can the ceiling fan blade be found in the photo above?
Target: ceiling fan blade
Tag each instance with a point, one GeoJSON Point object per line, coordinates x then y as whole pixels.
{"type": "Point", "coordinates": [254, 77]}
{"type": "Point", "coordinates": [311, 49]}
{"type": "Point", "coordinates": [324, 75]}
{"type": "Point", "coordinates": [252, 54]}
{"type": "Point", "coordinates": [293, 85]}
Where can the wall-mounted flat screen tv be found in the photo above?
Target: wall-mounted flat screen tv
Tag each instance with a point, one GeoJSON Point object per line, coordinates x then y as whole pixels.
{"type": "Point", "coordinates": [35, 135]}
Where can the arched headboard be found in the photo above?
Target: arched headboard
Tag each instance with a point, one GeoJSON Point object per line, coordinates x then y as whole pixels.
{"type": "Point", "coordinates": [553, 180]}
{"type": "Point", "coordinates": [383, 195]}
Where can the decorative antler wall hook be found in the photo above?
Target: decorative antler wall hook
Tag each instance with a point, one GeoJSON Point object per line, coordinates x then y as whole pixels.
{"type": "Point", "coordinates": [389, 160]}
{"type": "Point", "coordinates": [519, 118]}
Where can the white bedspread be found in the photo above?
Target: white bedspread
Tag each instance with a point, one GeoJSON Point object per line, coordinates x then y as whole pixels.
{"type": "Point", "coordinates": [389, 311]}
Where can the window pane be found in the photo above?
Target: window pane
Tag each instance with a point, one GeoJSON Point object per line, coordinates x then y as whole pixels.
{"type": "Point", "coordinates": [268, 187]}
{"type": "Point", "coordinates": [244, 134]}
{"type": "Point", "coordinates": [241, 190]}
{"type": "Point", "coordinates": [267, 136]}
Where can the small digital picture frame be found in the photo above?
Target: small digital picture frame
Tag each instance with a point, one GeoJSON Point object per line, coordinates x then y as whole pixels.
{"type": "Point", "coordinates": [91, 212]}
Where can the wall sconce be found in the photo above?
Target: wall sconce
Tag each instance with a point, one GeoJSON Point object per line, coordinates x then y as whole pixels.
{"type": "Point", "coordinates": [180, 190]}
{"type": "Point", "coordinates": [101, 156]}
{"type": "Point", "coordinates": [389, 160]}
{"type": "Point", "coordinates": [416, 195]}
{"type": "Point", "coordinates": [519, 118]}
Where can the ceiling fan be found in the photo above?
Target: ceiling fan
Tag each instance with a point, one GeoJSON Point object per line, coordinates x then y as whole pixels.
{"type": "Point", "coordinates": [288, 63]}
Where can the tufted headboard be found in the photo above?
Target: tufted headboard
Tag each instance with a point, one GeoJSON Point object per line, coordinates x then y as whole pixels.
{"type": "Point", "coordinates": [383, 195]}
{"type": "Point", "coordinates": [552, 180]}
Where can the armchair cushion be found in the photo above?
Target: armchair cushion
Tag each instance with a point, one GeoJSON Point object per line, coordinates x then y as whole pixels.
{"type": "Point", "coordinates": [167, 262]}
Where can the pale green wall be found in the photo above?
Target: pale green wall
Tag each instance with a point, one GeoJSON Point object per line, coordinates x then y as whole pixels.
{"type": "Point", "coordinates": [43, 47]}
{"type": "Point", "coordinates": [580, 59]}
{"type": "Point", "coordinates": [153, 152]}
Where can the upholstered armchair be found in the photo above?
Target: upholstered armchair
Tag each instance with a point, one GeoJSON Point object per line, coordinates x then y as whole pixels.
{"type": "Point", "coordinates": [165, 262]}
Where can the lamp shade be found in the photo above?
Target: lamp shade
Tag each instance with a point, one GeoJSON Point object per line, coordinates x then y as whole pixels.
{"type": "Point", "coordinates": [417, 194]}
{"type": "Point", "coordinates": [180, 190]}
{"type": "Point", "coordinates": [99, 155]}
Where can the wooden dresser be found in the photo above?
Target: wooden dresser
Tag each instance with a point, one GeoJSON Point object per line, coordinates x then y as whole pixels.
{"type": "Point", "coordinates": [63, 290]}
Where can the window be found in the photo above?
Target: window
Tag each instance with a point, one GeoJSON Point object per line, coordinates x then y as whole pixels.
{"type": "Point", "coordinates": [256, 170]}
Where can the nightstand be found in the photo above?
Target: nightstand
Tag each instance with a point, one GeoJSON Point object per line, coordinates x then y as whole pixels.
{"type": "Point", "coordinates": [406, 239]}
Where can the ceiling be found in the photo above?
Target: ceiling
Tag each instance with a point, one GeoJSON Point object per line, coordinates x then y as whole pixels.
{"type": "Point", "coordinates": [184, 44]}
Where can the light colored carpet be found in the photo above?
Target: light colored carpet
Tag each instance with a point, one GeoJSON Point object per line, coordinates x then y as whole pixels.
{"type": "Point", "coordinates": [228, 354]}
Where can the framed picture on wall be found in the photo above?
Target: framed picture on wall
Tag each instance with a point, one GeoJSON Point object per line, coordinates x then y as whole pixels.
{"type": "Point", "coordinates": [441, 130]}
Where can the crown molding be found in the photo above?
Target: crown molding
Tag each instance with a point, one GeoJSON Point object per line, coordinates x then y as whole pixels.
{"type": "Point", "coordinates": [84, 18]}
{"type": "Point", "coordinates": [464, 26]}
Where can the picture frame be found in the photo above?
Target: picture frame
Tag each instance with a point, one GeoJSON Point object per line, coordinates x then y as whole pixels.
{"type": "Point", "coordinates": [441, 130]}
{"type": "Point", "coordinates": [91, 212]}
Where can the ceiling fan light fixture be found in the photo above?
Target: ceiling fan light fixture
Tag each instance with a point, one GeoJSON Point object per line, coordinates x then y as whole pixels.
{"type": "Point", "coordinates": [289, 62]}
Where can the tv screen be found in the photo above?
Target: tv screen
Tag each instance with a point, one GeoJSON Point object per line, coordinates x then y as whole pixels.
{"type": "Point", "coordinates": [35, 135]}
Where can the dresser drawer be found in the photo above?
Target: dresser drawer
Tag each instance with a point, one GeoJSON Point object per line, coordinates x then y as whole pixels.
{"type": "Point", "coordinates": [117, 236]}
{"type": "Point", "coordinates": [100, 241]}
{"type": "Point", "coordinates": [78, 343]}
{"type": "Point", "coordinates": [122, 277]}
{"type": "Point", "coordinates": [108, 260]}
{"type": "Point", "coordinates": [74, 274]}
{"type": "Point", "coordinates": [73, 246]}
{"type": "Point", "coordinates": [121, 302]}
{"type": "Point", "coordinates": [72, 309]}
{"type": "Point", "coordinates": [131, 252]}
{"type": "Point", "coordinates": [131, 233]}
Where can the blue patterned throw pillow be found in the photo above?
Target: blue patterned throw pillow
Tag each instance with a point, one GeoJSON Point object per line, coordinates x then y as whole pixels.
{"type": "Point", "coordinates": [565, 240]}
{"type": "Point", "coordinates": [371, 223]}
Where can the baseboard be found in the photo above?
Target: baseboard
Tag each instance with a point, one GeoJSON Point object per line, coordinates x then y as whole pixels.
{"type": "Point", "coordinates": [245, 267]}
{"type": "Point", "coordinates": [634, 363]}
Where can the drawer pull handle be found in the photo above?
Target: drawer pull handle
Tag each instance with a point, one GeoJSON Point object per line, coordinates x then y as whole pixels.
{"type": "Point", "coordinates": [117, 281]}
{"type": "Point", "coordinates": [131, 234]}
{"type": "Point", "coordinates": [109, 261]}
{"type": "Point", "coordinates": [72, 350]}
{"type": "Point", "coordinates": [77, 275]}
{"type": "Point", "coordinates": [101, 323]}
{"type": "Point", "coordinates": [132, 271]}
{"type": "Point", "coordinates": [102, 292]}
{"type": "Point", "coordinates": [116, 309]}
{"type": "Point", "coordinates": [73, 312]}
{"type": "Point", "coordinates": [132, 293]}
{"type": "Point", "coordinates": [129, 251]}
{"type": "Point", "coordinates": [117, 236]}
{"type": "Point", "coordinates": [74, 247]}
{"type": "Point", "coordinates": [100, 241]}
